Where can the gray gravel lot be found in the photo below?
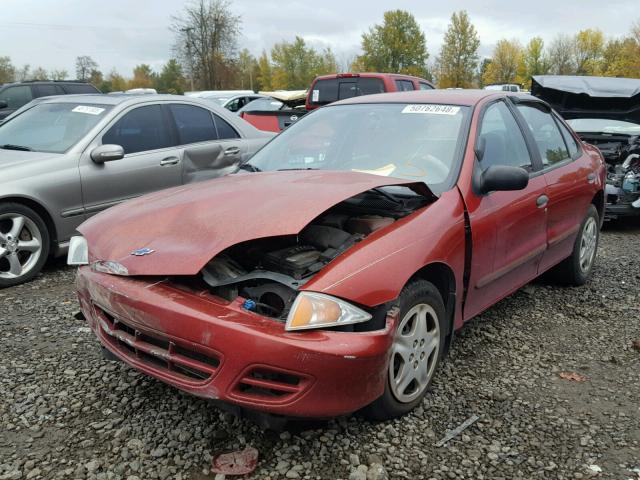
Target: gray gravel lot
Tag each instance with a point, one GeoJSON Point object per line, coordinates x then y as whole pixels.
{"type": "Point", "coordinates": [67, 413]}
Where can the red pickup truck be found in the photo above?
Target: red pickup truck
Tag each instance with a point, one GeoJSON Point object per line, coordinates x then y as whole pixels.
{"type": "Point", "coordinates": [325, 89]}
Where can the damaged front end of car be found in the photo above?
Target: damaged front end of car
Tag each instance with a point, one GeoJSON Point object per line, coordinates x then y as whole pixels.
{"type": "Point", "coordinates": [604, 112]}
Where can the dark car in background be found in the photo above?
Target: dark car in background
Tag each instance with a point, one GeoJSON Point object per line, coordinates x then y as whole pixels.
{"type": "Point", "coordinates": [604, 112]}
{"type": "Point", "coordinates": [331, 88]}
{"type": "Point", "coordinates": [15, 95]}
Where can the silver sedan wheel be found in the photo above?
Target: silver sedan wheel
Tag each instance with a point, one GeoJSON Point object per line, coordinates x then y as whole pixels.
{"type": "Point", "coordinates": [588, 243]}
{"type": "Point", "coordinates": [20, 245]}
{"type": "Point", "coordinates": [415, 350]}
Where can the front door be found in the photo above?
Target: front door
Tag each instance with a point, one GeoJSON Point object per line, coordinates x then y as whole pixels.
{"type": "Point", "coordinates": [152, 161]}
{"type": "Point", "coordinates": [508, 229]}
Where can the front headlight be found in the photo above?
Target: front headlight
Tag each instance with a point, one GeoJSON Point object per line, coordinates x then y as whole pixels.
{"type": "Point", "coordinates": [78, 253]}
{"type": "Point", "coordinates": [316, 310]}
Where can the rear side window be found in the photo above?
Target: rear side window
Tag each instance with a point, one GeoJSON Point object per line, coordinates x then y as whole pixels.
{"type": "Point", "coordinates": [568, 139]}
{"type": "Point", "coordinates": [545, 133]}
{"type": "Point", "coordinates": [425, 86]}
{"type": "Point", "coordinates": [503, 140]}
{"type": "Point", "coordinates": [16, 96]}
{"type": "Point", "coordinates": [194, 124]}
{"type": "Point", "coordinates": [140, 130]}
{"type": "Point", "coordinates": [225, 131]}
{"type": "Point", "coordinates": [404, 85]}
{"type": "Point", "coordinates": [333, 89]}
{"type": "Point", "coordinates": [48, 90]}
{"type": "Point", "coordinates": [75, 88]}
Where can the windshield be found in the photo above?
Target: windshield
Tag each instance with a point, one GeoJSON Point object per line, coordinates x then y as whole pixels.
{"type": "Point", "coordinates": [412, 142]}
{"type": "Point", "coordinates": [604, 125]}
{"type": "Point", "coordinates": [51, 127]}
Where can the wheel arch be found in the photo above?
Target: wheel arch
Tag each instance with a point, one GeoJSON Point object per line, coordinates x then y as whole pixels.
{"type": "Point", "coordinates": [41, 211]}
{"type": "Point", "coordinates": [598, 202]}
{"type": "Point", "coordinates": [443, 278]}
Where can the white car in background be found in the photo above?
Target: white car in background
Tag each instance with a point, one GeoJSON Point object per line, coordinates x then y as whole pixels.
{"type": "Point", "coordinates": [232, 100]}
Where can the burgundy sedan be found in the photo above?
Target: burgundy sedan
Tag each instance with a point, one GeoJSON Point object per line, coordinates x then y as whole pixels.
{"type": "Point", "coordinates": [330, 272]}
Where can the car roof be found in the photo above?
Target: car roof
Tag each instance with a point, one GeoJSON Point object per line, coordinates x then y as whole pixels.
{"type": "Point", "coordinates": [453, 97]}
{"type": "Point", "coordinates": [346, 76]}
{"type": "Point", "coordinates": [117, 98]}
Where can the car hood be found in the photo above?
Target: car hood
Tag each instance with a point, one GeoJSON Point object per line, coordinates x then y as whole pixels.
{"type": "Point", "coordinates": [590, 97]}
{"type": "Point", "coordinates": [185, 227]}
{"type": "Point", "coordinates": [11, 158]}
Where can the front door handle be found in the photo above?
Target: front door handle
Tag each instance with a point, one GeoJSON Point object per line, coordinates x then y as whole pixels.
{"type": "Point", "coordinates": [232, 151]}
{"type": "Point", "coordinates": [169, 161]}
{"type": "Point", "coordinates": [542, 201]}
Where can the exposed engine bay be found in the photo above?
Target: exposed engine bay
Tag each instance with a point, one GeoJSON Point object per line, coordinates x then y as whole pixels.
{"type": "Point", "coordinates": [622, 155]}
{"type": "Point", "coordinates": [268, 272]}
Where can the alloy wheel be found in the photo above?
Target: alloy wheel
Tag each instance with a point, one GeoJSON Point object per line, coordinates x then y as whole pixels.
{"type": "Point", "coordinates": [20, 245]}
{"type": "Point", "coordinates": [588, 243]}
{"type": "Point", "coordinates": [415, 352]}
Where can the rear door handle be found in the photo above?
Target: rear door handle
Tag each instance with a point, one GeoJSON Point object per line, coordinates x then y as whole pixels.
{"type": "Point", "coordinates": [542, 201]}
{"type": "Point", "coordinates": [169, 161]}
{"type": "Point", "coordinates": [232, 151]}
{"type": "Point", "coordinates": [591, 177]}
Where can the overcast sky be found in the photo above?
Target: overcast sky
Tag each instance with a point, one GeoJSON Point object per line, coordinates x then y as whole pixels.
{"type": "Point", "coordinates": [123, 33]}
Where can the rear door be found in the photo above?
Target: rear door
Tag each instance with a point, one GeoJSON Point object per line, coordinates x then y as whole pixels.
{"type": "Point", "coordinates": [209, 146]}
{"type": "Point", "coordinates": [567, 172]}
{"type": "Point", "coordinates": [151, 162]}
{"type": "Point", "coordinates": [508, 229]}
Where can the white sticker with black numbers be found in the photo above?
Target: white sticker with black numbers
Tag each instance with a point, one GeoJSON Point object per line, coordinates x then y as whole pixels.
{"type": "Point", "coordinates": [433, 109]}
{"type": "Point", "coordinates": [88, 110]}
{"type": "Point", "coordinates": [315, 95]}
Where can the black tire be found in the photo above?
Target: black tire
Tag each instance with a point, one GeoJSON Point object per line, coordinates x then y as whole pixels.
{"type": "Point", "coordinates": [571, 271]}
{"type": "Point", "coordinates": [418, 292]}
{"type": "Point", "coordinates": [32, 221]}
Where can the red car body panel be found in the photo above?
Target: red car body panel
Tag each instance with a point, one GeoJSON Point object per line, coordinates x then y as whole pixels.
{"type": "Point", "coordinates": [492, 245]}
{"type": "Point", "coordinates": [267, 121]}
{"type": "Point", "coordinates": [212, 222]}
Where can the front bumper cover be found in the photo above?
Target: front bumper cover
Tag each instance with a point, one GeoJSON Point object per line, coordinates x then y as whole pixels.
{"type": "Point", "coordinates": [214, 349]}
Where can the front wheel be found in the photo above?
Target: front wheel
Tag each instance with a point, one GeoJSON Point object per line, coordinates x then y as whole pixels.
{"type": "Point", "coordinates": [575, 270]}
{"type": "Point", "coordinates": [417, 348]}
{"type": "Point", "coordinates": [24, 244]}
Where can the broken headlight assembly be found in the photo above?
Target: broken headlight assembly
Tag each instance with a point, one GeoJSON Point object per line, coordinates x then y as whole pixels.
{"type": "Point", "coordinates": [317, 310]}
{"type": "Point", "coordinates": [78, 253]}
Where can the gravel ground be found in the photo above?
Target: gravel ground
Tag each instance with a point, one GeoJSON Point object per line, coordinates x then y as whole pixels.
{"type": "Point", "coordinates": [67, 413]}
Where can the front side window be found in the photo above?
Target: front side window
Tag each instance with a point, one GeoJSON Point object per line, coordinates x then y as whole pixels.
{"type": "Point", "coordinates": [545, 133]}
{"type": "Point", "coordinates": [140, 130]}
{"type": "Point", "coordinates": [503, 140]}
{"type": "Point", "coordinates": [404, 85]}
{"type": "Point", "coordinates": [52, 127]}
{"type": "Point", "coordinates": [16, 96]}
{"type": "Point", "coordinates": [194, 124]}
{"type": "Point", "coordinates": [418, 142]}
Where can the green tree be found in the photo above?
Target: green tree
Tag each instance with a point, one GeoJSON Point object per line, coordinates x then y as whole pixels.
{"type": "Point", "coordinates": [458, 57]}
{"type": "Point", "coordinates": [621, 58]}
{"type": "Point", "coordinates": [246, 69]}
{"type": "Point", "coordinates": [171, 78]}
{"type": "Point", "coordinates": [588, 50]}
{"type": "Point", "coordinates": [61, 74]}
{"type": "Point", "coordinates": [505, 63]}
{"type": "Point", "coordinates": [95, 77]}
{"type": "Point", "coordinates": [265, 81]}
{"type": "Point", "coordinates": [398, 45]}
{"type": "Point", "coordinates": [143, 77]}
{"type": "Point", "coordinates": [7, 70]}
{"type": "Point", "coordinates": [294, 65]}
{"type": "Point", "coordinates": [116, 81]}
{"type": "Point", "coordinates": [535, 61]}
{"type": "Point", "coordinates": [39, 74]}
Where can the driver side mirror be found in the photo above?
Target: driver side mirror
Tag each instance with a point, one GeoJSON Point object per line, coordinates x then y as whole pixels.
{"type": "Point", "coordinates": [503, 178]}
{"type": "Point", "coordinates": [107, 153]}
{"type": "Point", "coordinates": [3, 104]}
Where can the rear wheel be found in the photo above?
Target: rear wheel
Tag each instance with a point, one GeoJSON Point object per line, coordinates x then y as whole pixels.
{"type": "Point", "coordinates": [418, 345]}
{"type": "Point", "coordinates": [576, 269]}
{"type": "Point", "coordinates": [24, 244]}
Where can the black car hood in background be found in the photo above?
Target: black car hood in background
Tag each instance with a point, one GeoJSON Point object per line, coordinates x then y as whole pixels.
{"type": "Point", "coordinates": [590, 97]}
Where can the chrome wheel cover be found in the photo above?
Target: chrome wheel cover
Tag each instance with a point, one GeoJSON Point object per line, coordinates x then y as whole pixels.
{"type": "Point", "coordinates": [20, 245]}
{"type": "Point", "coordinates": [588, 244]}
{"type": "Point", "coordinates": [414, 353]}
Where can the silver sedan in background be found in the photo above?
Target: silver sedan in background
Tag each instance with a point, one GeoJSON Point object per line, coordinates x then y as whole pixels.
{"type": "Point", "coordinates": [63, 159]}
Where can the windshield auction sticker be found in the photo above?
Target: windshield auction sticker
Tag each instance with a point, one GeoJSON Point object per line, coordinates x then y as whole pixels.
{"type": "Point", "coordinates": [87, 109]}
{"type": "Point", "coordinates": [431, 109]}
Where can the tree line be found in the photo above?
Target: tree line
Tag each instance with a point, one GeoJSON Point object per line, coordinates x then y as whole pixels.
{"type": "Point", "coordinates": [206, 56]}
